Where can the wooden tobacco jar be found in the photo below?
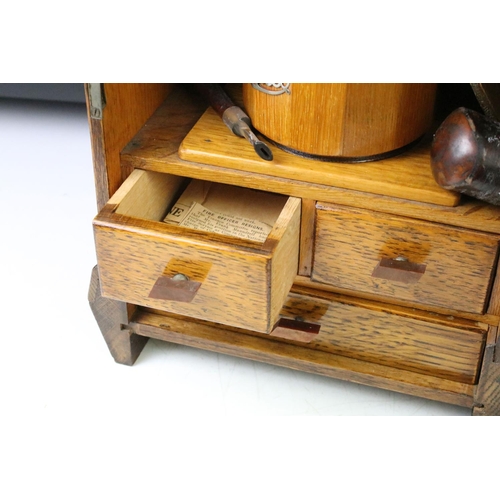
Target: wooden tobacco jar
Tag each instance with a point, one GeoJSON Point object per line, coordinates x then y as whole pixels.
{"type": "Point", "coordinates": [349, 122]}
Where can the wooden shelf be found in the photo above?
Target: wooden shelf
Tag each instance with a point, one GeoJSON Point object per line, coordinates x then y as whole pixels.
{"type": "Point", "coordinates": [407, 176]}
{"type": "Point", "coordinates": [156, 147]}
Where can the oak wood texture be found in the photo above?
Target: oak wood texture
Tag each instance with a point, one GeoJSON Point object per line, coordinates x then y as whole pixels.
{"type": "Point", "coordinates": [350, 244]}
{"type": "Point", "coordinates": [155, 148]}
{"type": "Point", "coordinates": [343, 119]}
{"type": "Point", "coordinates": [494, 303]}
{"type": "Point", "coordinates": [307, 225]}
{"type": "Point", "coordinates": [280, 352]}
{"type": "Point", "coordinates": [485, 319]}
{"type": "Point", "coordinates": [382, 335]}
{"type": "Point", "coordinates": [127, 108]}
{"type": "Point", "coordinates": [243, 283]}
{"type": "Point", "coordinates": [406, 176]}
{"type": "Point", "coordinates": [113, 318]}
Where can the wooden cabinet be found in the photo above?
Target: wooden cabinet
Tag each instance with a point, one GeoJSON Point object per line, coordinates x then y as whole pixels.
{"type": "Point", "coordinates": [370, 273]}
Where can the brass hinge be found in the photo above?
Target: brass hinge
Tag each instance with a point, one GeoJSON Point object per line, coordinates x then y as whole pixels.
{"type": "Point", "coordinates": [97, 99]}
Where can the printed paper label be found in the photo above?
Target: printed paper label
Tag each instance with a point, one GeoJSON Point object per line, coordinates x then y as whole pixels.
{"type": "Point", "coordinates": [198, 217]}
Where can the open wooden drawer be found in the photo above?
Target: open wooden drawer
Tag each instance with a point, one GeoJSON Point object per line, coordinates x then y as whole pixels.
{"type": "Point", "coordinates": [145, 261]}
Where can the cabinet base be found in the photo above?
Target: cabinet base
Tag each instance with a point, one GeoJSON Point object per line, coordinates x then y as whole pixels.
{"type": "Point", "coordinates": [126, 330]}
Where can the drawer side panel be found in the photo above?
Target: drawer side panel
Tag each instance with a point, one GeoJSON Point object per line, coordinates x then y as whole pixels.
{"type": "Point", "coordinates": [285, 261]}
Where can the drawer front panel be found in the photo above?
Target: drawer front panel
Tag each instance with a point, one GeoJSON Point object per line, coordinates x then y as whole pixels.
{"type": "Point", "coordinates": [233, 288]}
{"type": "Point", "coordinates": [382, 337]}
{"type": "Point", "coordinates": [217, 278]}
{"type": "Point", "coordinates": [415, 261]}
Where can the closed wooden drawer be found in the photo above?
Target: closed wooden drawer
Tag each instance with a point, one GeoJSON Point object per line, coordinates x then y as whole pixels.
{"type": "Point", "coordinates": [230, 281]}
{"type": "Point", "coordinates": [393, 336]}
{"type": "Point", "coordinates": [406, 259]}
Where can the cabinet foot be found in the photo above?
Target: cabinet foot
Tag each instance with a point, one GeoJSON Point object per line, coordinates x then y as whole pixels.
{"type": "Point", "coordinates": [112, 317]}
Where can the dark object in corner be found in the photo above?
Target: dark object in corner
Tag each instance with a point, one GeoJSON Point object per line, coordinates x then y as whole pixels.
{"type": "Point", "coordinates": [465, 155]}
{"type": "Point", "coordinates": [488, 96]}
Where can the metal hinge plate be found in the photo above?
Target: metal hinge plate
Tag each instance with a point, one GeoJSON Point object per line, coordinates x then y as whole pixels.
{"type": "Point", "coordinates": [97, 100]}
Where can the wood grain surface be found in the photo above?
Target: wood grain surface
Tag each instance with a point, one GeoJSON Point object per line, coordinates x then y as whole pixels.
{"type": "Point", "coordinates": [406, 176]}
{"type": "Point", "coordinates": [155, 147]}
{"type": "Point", "coordinates": [486, 318]}
{"type": "Point", "coordinates": [343, 119]}
{"type": "Point", "coordinates": [307, 228]}
{"type": "Point", "coordinates": [246, 283]}
{"type": "Point", "coordinates": [350, 244]}
{"type": "Point", "coordinates": [264, 348]}
{"type": "Point", "coordinates": [127, 108]}
{"type": "Point", "coordinates": [384, 337]}
{"type": "Point", "coordinates": [112, 318]}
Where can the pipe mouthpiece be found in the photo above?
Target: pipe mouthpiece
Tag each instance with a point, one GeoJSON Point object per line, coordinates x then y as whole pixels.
{"type": "Point", "coordinates": [263, 151]}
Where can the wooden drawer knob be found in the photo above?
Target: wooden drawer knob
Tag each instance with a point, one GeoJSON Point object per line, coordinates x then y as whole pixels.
{"type": "Point", "coordinates": [399, 269]}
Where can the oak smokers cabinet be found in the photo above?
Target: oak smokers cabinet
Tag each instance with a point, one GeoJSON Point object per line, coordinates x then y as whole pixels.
{"type": "Point", "coordinates": [370, 272]}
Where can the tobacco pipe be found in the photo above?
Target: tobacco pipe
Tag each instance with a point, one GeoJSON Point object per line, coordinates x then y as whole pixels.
{"type": "Point", "coordinates": [235, 118]}
{"type": "Point", "coordinates": [465, 155]}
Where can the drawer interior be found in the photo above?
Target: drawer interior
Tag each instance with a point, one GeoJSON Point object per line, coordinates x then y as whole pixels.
{"type": "Point", "coordinates": [148, 195]}
{"type": "Point", "coordinates": [151, 196]}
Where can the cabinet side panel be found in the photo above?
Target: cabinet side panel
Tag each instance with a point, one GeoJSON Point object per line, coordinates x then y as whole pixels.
{"type": "Point", "coordinates": [127, 107]}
